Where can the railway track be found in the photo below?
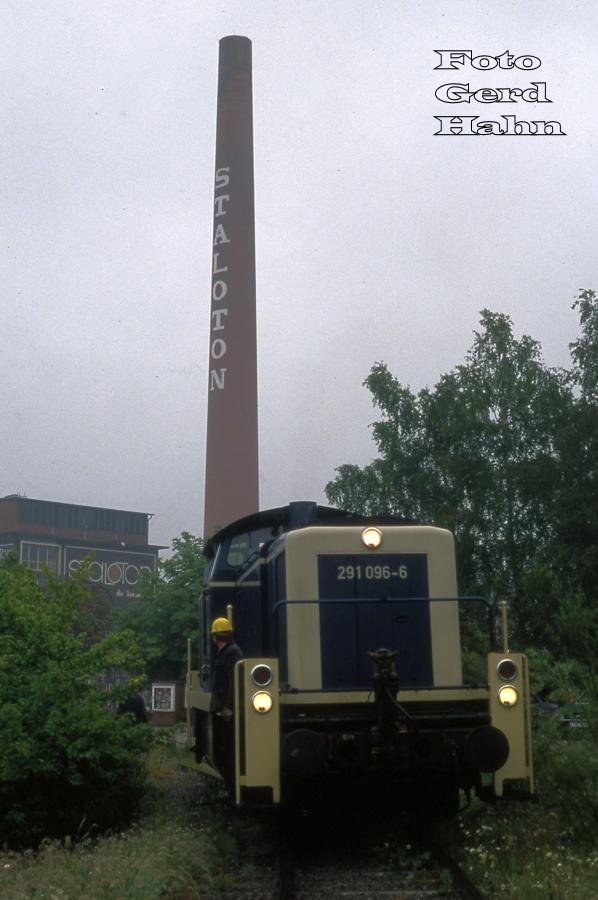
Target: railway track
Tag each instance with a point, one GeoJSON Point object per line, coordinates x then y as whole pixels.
{"type": "Point", "coordinates": [349, 853]}
{"type": "Point", "coordinates": [366, 879]}
{"type": "Point", "coordinates": [360, 867]}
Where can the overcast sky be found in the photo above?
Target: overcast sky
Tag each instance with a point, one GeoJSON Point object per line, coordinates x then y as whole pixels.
{"type": "Point", "coordinates": [376, 240]}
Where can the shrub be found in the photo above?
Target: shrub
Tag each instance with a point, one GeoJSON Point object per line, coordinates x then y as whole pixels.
{"type": "Point", "coordinates": [566, 761]}
{"type": "Point", "coordinates": [68, 765]}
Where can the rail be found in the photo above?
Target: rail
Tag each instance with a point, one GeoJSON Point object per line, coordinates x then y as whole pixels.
{"type": "Point", "coordinates": [309, 865]}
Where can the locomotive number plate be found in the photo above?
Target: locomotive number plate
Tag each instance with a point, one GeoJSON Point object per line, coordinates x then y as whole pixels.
{"type": "Point", "coordinates": [364, 575]}
{"type": "Point", "coordinates": [371, 573]}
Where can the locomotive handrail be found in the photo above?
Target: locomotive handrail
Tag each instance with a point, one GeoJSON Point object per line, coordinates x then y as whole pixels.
{"type": "Point", "coordinates": [474, 598]}
{"type": "Point", "coordinates": [412, 688]}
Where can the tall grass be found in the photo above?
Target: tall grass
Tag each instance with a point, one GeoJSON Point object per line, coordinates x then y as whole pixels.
{"type": "Point", "coordinates": [182, 847]}
{"type": "Point", "coordinates": [143, 863]}
{"type": "Point", "coordinates": [548, 847]}
{"type": "Point", "coordinates": [189, 844]}
{"type": "Point", "coordinates": [518, 851]}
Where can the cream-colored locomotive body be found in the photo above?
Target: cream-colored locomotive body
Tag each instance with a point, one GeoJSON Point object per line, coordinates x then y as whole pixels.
{"type": "Point", "coordinates": [351, 631]}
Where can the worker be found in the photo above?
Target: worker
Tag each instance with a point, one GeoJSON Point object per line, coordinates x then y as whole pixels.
{"type": "Point", "coordinates": [223, 690]}
{"type": "Point", "coordinates": [135, 704]}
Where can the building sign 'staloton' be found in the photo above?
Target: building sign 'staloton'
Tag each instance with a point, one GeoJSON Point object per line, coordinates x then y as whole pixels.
{"type": "Point", "coordinates": [119, 573]}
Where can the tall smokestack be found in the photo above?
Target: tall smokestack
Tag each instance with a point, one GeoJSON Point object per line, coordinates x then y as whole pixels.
{"type": "Point", "coordinates": [232, 478]}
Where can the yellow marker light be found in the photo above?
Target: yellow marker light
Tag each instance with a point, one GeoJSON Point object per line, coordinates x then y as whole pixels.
{"type": "Point", "coordinates": [371, 537]}
{"type": "Point", "coordinates": [508, 695]}
{"type": "Point", "coordinates": [262, 702]}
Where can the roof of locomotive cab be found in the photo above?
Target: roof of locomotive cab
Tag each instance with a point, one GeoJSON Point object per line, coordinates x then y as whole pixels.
{"type": "Point", "coordinates": [295, 515]}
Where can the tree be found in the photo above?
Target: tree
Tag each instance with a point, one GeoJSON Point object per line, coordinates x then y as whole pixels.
{"type": "Point", "coordinates": [167, 614]}
{"type": "Point", "coordinates": [585, 349]}
{"type": "Point", "coordinates": [477, 454]}
{"type": "Point", "coordinates": [67, 764]}
{"type": "Point", "coordinates": [576, 543]}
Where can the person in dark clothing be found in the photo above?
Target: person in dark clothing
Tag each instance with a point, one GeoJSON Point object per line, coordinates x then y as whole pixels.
{"type": "Point", "coordinates": [222, 673]}
{"type": "Point", "coordinates": [223, 690]}
{"type": "Point", "coordinates": [134, 704]}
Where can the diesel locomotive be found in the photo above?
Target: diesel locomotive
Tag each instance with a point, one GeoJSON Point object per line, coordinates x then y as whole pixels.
{"type": "Point", "coordinates": [351, 630]}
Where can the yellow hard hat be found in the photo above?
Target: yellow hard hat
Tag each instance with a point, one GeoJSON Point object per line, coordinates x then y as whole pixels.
{"type": "Point", "coordinates": [221, 625]}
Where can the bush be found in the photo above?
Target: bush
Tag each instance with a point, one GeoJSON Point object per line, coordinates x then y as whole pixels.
{"type": "Point", "coordinates": [68, 765]}
{"type": "Point", "coordinates": [566, 761]}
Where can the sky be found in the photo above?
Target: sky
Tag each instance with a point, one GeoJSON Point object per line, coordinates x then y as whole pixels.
{"type": "Point", "coordinates": [376, 240]}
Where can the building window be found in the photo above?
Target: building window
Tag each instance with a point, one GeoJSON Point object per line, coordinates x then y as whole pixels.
{"type": "Point", "coordinates": [163, 697]}
{"type": "Point", "coordinates": [36, 556]}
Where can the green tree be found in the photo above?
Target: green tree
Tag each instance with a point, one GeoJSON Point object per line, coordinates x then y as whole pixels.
{"type": "Point", "coordinates": [585, 349]}
{"type": "Point", "coordinates": [167, 614]}
{"type": "Point", "coordinates": [576, 542]}
{"type": "Point", "coordinates": [477, 454]}
{"type": "Point", "coordinates": [67, 764]}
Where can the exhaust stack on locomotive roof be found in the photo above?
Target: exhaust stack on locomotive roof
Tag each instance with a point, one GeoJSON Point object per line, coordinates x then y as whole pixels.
{"type": "Point", "coordinates": [232, 478]}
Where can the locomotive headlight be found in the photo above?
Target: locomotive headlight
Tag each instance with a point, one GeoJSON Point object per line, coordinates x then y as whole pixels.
{"type": "Point", "coordinates": [508, 695]}
{"type": "Point", "coordinates": [371, 537]}
{"type": "Point", "coordinates": [262, 702]}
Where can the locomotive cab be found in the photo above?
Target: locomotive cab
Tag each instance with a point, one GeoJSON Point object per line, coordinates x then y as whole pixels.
{"type": "Point", "coordinates": [351, 633]}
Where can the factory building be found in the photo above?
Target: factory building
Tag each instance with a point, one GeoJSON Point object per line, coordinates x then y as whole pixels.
{"type": "Point", "coordinates": [60, 536]}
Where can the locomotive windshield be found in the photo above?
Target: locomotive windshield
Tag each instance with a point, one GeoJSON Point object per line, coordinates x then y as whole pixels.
{"type": "Point", "coordinates": [242, 546]}
{"type": "Point", "coordinates": [233, 551]}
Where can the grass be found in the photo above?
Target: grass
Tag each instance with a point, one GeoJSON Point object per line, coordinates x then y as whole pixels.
{"type": "Point", "coordinates": [185, 846]}
{"type": "Point", "coordinates": [142, 863]}
{"type": "Point", "coordinates": [519, 850]}
{"type": "Point", "coordinates": [548, 847]}
{"type": "Point", "coordinates": [188, 844]}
